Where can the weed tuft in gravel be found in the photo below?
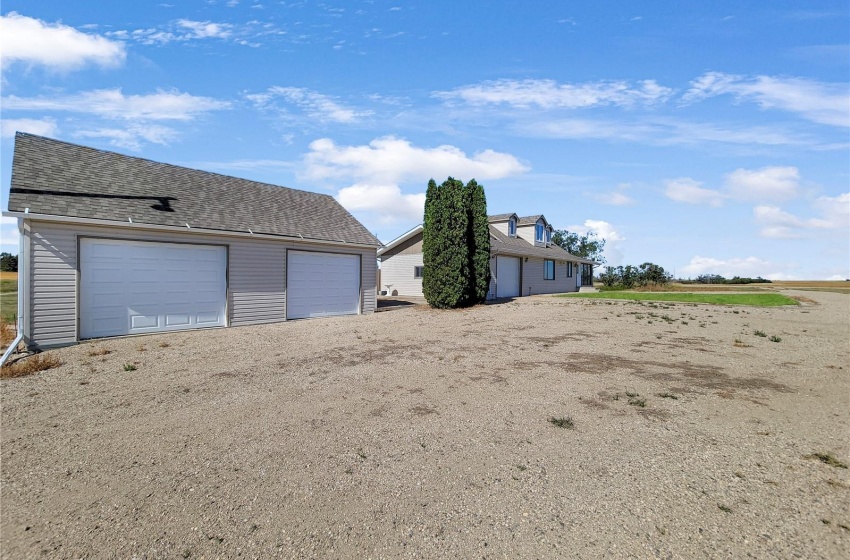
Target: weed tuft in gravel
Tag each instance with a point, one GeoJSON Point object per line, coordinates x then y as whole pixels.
{"type": "Point", "coordinates": [130, 367]}
{"type": "Point", "coordinates": [827, 459]}
{"type": "Point", "coordinates": [30, 365]}
{"type": "Point", "coordinates": [563, 422]}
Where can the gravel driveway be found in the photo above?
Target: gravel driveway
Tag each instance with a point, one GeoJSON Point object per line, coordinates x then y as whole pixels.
{"type": "Point", "coordinates": [420, 433]}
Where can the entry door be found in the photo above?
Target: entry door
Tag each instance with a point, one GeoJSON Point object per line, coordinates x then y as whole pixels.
{"type": "Point", "coordinates": [322, 284]}
{"type": "Point", "coordinates": [129, 287]}
{"type": "Point", "coordinates": [507, 277]}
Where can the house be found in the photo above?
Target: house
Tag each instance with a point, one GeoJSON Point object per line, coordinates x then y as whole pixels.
{"type": "Point", "coordinates": [115, 245]}
{"type": "Point", "coordinates": [523, 261]}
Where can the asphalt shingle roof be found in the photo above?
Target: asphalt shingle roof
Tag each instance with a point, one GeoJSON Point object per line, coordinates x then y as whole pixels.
{"type": "Point", "coordinates": [499, 217]}
{"type": "Point", "coordinates": [525, 220]}
{"type": "Point", "coordinates": [506, 245]}
{"type": "Point", "coordinates": [62, 179]}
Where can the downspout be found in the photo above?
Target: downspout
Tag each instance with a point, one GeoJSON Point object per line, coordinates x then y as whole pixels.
{"type": "Point", "coordinates": [20, 321]}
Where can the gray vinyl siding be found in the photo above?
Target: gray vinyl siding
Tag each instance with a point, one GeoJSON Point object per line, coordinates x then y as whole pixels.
{"type": "Point", "coordinates": [533, 282]}
{"type": "Point", "coordinates": [397, 271]}
{"type": "Point", "coordinates": [256, 289]}
{"type": "Point", "coordinates": [53, 287]}
{"type": "Point", "coordinates": [256, 276]}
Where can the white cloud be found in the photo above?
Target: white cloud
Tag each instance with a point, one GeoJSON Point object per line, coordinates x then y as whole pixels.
{"type": "Point", "coordinates": [178, 31]}
{"type": "Point", "coordinates": [820, 102]}
{"type": "Point", "coordinates": [205, 29]}
{"type": "Point", "coordinates": [615, 199]}
{"type": "Point", "coordinates": [390, 160]}
{"type": "Point", "coordinates": [9, 235]}
{"type": "Point", "coordinates": [778, 224]}
{"type": "Point", "coordinates": [737, 266]}
{"type": "Point", "coordinates": [386, 201]}
{"type": "Point", "coordinates": [767, 183]}
{"type": "Point", "coordinates": [613, 251]}
{"type": "Point", "coordinates": [378, 168]}
{"type": "Point", "coordinates": [132, 136]}
{"type": "Point", "coordinates": [56, 46]}
{"type": "Point", "coordinates": [113, 104]}
{"type": "Point", "coordinates": [660, 131]}
{"type": "Point", "coordinates": [549, 94]}
{"type": "Point", "coordinates": [687, 190]}
{"type": "Point", "coordinates": [41, 127]}
{"type": "Point", "coordinates": [318, 106]}
{"type": "Point", "coordinates": [835, 210]}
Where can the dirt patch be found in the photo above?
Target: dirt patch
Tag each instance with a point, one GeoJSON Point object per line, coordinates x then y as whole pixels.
{"type": "Point", "coordinates": [705, 376]}
{"type": "Point", "coordinates": [428, 434]}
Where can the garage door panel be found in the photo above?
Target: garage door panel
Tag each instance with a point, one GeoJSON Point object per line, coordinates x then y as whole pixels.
{"type": "Point", "coordinates": [507, 277]}
{"type": "Point", "coordinates": [208, 317]}
{"type": "Point", "coordinates": [322, 284]}
{"type": "Point", "coordinates": [177, 319]}
{"type": "Point", "coordinates": [136, 286]}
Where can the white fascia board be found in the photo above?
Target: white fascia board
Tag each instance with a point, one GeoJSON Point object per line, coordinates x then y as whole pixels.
{"type": "Point", "coordinates": [180, 229]}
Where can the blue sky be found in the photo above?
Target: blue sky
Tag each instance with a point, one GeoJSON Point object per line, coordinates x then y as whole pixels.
{"type": "Point", "coordinates": [708, 137]}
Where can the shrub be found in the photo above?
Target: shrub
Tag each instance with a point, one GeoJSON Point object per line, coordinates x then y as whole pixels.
{"type": "Point", "coordinates": [455, 244]}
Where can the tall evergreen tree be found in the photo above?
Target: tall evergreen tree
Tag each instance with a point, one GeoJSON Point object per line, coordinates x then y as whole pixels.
{"type": "Point", "coordinates": [479, 242]}
{"type": "Point", "coordinates": [445, 245]}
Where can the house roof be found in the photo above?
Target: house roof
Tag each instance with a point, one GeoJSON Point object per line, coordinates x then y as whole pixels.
{"type": "Point", "coordinates": [400, 239]}
{"type": "Point", "coordinates": [531, 220]}
{"type": "Point", "coordinates": [60, 179]}
{"type": "Point", "coordinates": [500, 217]}
{"type": "Point", "coordinates": [501, 244]}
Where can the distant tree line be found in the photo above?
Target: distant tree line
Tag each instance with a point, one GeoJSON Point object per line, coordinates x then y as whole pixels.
{"type": "Point", "coordinates": [8, 262]}
{"type": "Point", "coordinates": [627, 277]}
{"type": "Point", "coordinates": [589, 245]}
{"type": "Point", "coordinates": [717, 279]}
{"type": "Point", "coordinates": [455, 244]}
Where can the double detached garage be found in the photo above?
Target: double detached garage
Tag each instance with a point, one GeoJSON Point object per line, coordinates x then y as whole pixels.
{"type": "Point", "coordinates": [92, 282]}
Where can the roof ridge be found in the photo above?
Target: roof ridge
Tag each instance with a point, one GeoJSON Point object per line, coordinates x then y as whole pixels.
{"type": "Point", "coordinates": [164, 163]}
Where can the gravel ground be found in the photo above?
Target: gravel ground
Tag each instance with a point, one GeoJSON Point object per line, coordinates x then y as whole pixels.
{"type": "Point", "coordinates": [419, 433]}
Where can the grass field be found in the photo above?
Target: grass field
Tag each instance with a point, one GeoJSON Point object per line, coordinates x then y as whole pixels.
{"type": "Point", "coordinates": [836, 286]}
{"type": "Point", "coordinates": [754, 299]}
{"type": "Point", "coordinates": [8, 296]}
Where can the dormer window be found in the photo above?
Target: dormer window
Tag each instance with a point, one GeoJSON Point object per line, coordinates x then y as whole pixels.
{"type": "Point", "coordinates": [548, 236]}
{"type": "Point", "coordinates": [512, 227]}
{"type": "Point", "coordinates": [538, 233]}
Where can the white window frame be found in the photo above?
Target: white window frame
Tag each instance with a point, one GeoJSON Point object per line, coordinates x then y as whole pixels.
{"type": "Point", "coordinates": [512, 227]}
{"type": "Point", "coordinates": [548, 235]}
{"type": "Point", "coordinates": [420, 269]}
{"type": "Point", "coordinates": [569, 269]}
{"type": "Point", "coordinates": [538, 232]}
{"type": "Point", "coordinates": [545, 269]}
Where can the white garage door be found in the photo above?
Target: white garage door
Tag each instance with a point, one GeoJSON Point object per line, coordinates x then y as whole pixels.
{"type": "Point", "coordinates": [129, 287]}
{"type": "Point", "coordinates": [321, 284]}
{"type": "Point", "coordinates": [507, 277]}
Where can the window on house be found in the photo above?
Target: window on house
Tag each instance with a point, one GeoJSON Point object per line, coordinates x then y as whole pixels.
{"type": "Point", "coordinates": [417, 271]}
{"type": "Point", "coordinates": [569, 270]}
{"type": "Point", "coordinates": [538, 232]}
{"type": "Point", "coordinates": [512, 227]}
{"type": "Point", "coordinates": [548, 235]}
{"type": "Point", "coordinates": [548, 270]}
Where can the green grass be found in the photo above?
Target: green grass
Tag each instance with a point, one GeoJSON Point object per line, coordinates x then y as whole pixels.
{"type": "Point", "coordinates": [755, 299]}
{"type": "Point", "coordinates": [9, 300]}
